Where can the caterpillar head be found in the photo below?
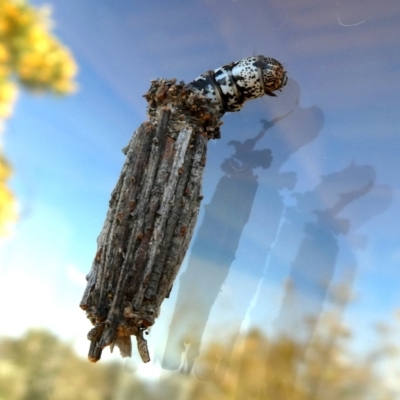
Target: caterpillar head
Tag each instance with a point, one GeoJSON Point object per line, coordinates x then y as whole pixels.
{"type": "Point", "coordinates": [273, 75]}
{"type": "Point", "coordinates": [231, 85]}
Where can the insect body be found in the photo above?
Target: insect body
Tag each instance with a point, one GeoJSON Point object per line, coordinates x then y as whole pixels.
{"type": "Point", "coordinates": [154, 206]}
{"type": "Point", "coordinates": [231, 85]}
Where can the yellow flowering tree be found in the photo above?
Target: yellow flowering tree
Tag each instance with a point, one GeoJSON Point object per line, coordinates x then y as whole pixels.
{"type": "Point", "coordinates": [30, 57]}
{"type": "Point", "coordinates": [7, 203]}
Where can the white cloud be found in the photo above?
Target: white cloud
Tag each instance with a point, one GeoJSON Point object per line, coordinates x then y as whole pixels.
{"type": "Point", "coordinates": [76, 276]}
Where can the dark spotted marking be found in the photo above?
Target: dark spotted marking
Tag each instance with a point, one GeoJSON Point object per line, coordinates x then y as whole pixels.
{"type": "Point", "coordinates": [231, 85]}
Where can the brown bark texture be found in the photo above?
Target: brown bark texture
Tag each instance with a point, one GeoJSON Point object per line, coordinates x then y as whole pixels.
{"type": "Point", "coordinates": [152, 213]}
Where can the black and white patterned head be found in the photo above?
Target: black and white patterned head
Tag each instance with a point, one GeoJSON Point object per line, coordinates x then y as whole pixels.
{"type": "Point", "coordinates": [231, 85]}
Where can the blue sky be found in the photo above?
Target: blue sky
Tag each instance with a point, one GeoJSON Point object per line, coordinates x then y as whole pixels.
{"type": "Point", "coordinates": [340, 139]}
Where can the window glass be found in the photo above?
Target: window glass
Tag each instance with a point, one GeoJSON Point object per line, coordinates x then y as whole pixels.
{"type": "Point", "coordinates": [291, 280]}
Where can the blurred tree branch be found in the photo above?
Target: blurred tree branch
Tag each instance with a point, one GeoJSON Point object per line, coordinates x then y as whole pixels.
{"type": "Point", "coordinates": [31, 58]}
